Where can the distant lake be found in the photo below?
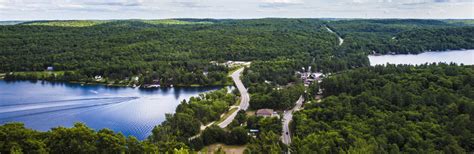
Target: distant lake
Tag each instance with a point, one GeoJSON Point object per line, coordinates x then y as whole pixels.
{"type": "Point", "coordinates": [465, 57]}
{"type": "Point", "coordinates": [42, 105]}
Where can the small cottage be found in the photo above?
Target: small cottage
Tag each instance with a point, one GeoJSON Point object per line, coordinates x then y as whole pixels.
{"type": "Point", "coordinates": [98, 77]}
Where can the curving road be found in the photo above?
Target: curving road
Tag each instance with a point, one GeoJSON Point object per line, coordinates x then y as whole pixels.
{"type": "Point", "coordinates": [287, 116]}
{"type": "Point", "coordinates": [244, 102]}
{"type": "Point", "coordinates": [244, 97]}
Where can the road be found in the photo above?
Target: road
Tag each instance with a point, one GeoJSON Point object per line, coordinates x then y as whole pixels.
{"type": "Point", "coordinates": [340, 39]}
{"type": "Point", "coordinates": [287, 116]}
{"type": "Point", "coordinates": [244, 102]}
{"type": "Point", "coordinates": [244, 97]}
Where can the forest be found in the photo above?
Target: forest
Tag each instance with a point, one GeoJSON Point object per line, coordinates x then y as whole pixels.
{"type": "Point", "coordinates": [118, 50]}
{"type": "Point", "coordinates": [424, 109]}
{"type": "Point", "coordinates": [403, 36]}
{"type": "Point", "coordinates": [15, 138]}
{"type": "Point", "coordinates": [365, 109]}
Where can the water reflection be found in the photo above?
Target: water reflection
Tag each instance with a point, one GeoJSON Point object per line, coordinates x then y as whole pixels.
{"type": "Point", "coordinates": [132, 111]}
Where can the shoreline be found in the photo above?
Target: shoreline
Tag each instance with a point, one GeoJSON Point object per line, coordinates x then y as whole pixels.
{"type": "Point", "coordinates": [120, 85]}
{"type": "Point", "coordinates": [429, 51]}
{"type": "Point", "coordinates": [452, 56]}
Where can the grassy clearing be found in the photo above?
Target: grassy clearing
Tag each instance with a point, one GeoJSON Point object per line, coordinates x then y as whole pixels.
{"type": "Point", "coordinates": [233, 69]}
{"type": "Point", "coordinates": [238, 102]}
{"type": "Point", "coordinates": [229, 149]}
{"type": "Point", "coordinates": [250, 113]}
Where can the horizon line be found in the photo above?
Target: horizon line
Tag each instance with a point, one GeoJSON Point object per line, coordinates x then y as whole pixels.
{"type": "Point", "coordinates": [357, 18]}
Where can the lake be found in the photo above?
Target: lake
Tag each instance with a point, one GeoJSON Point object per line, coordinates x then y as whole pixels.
{"type": "Point", "coordinates": [42, 105]}
{"type": "Point", "coordinates": [465, 57]}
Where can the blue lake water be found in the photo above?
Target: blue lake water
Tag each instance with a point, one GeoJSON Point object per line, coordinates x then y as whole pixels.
{"type": "Point", "coordinates": [42, 105]}
{"type": "Point", "coordinates": [465, 57]}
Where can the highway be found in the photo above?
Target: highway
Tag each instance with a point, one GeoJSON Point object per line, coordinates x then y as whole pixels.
{"type": "Point", "coordinates": [287, 116]}
{"type": "Point", "coordinates": [244, 97]}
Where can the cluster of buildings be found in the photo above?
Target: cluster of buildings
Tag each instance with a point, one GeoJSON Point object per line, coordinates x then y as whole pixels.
{"type": "Point", "coordinates": [309, 77]}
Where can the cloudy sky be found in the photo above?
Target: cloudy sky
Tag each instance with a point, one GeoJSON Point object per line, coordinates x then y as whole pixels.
{"type": "Point", "coordinates": [158, 9]}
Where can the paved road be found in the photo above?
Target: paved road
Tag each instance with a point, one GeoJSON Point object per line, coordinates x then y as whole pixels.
{"type": "Point", "coordinates": [287, 116]}
{"type": "Point", "coordinates": [340, 39]}
{"type": "Point", "coordinates": [244, 97]}
{"type": "Point", "coordinates": [244, 102]}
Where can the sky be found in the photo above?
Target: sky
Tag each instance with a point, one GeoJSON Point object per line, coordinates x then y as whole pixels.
{"type": "Point", "coordinates": [242, 9]}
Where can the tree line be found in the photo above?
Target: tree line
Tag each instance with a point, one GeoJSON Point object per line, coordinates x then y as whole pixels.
{"type": "Point", "coordinates": [120, 49]}
{"type": "Point", "coordinates": [402, 36]}
{"type": "Point", "coordinates": [394, 108]}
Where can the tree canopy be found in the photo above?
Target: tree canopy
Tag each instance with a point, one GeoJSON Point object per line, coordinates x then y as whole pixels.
{"type": "Point", "coordinates": [402, 108]}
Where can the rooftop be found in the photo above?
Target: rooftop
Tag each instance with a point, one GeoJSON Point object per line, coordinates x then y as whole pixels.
{"type": "Point", "coordinates": [265, 112]}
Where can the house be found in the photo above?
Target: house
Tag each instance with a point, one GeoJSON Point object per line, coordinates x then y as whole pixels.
{"type": "Point", "coordinates": [265, 112]}
{"type": "Point", "coordinates": [318, 97]}
{"type": "Point", "coordinates": [154, 84]}
{"type": "Point", "coordinates": [98, 77]}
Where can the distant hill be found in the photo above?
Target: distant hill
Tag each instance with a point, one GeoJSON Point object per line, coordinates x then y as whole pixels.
{"type": "Point", "coordinates": [119, 49]}
{"type": "Point", "coordinates": [87, 23]}
{"type": "Point", "coordinates": [10, 22]}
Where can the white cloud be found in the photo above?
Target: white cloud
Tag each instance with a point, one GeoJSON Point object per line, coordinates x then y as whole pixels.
{"type": "Point", "coordinates": [153, 9]}
{"type": "Point", "coordinates": [282, 1]}
{"type": "Point", "coordinates": [279, 3]}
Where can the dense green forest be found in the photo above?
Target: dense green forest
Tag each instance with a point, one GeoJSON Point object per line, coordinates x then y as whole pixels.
{"type": "Point", "coordinates": [150, 49]}
{"type": "Point", "coordinates": [414, 109]}
{"type": "Point", "coordinates": [425, 109]}
{"type": "Point", "coordinates": [15, 138]}
{"type": "Point", "coordinates": [121, 49]}
{"type": "Point", "coordinates": [403, 36]}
